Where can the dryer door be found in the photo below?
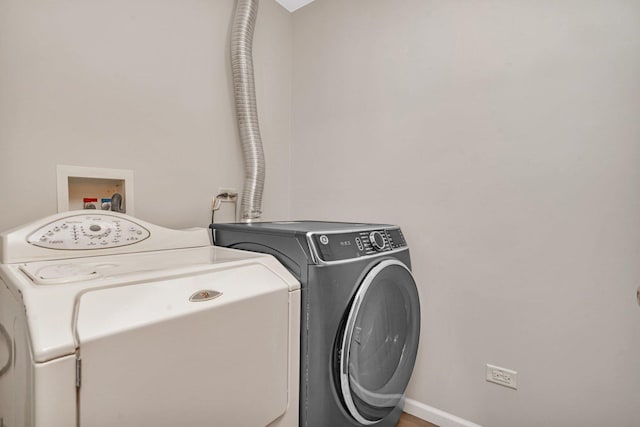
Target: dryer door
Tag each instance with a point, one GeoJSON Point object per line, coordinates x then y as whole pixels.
{"type": "Point", "coordinates": [379, 342]}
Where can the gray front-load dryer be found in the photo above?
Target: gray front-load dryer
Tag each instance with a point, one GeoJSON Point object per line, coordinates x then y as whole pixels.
{"type": "Point", "coordinates": [360, 315]}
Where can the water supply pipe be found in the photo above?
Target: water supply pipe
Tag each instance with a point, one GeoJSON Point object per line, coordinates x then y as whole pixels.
{"type": "Point", "coordinates": [246, 111]}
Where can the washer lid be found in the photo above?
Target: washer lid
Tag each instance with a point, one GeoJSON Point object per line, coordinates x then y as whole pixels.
{"type": "Point", "coordinates": [380, 342]}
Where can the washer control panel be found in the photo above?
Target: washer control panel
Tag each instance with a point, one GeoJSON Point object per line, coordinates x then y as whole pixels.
{"type": "Point", "coordinates": [343, 246]}
{"type": "Point", "coordinates": [90, 231]}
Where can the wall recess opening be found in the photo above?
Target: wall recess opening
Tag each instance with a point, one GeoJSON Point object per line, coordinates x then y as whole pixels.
{"type": "Point", "coordinates": [82, 187]}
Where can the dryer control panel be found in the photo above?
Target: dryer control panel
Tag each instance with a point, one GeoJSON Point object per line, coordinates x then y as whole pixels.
{"type": "Point", "coordinates": [89, 231]}
{"type": "Point", "coordinates": [342, 246]}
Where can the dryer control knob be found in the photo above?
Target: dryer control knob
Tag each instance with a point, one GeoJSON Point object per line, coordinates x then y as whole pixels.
{"type": "Point", "coordinates": [377, 240]}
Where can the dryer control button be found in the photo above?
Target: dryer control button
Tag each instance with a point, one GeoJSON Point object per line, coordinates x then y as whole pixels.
{"type": "Point", "coordinates": [377, 240]}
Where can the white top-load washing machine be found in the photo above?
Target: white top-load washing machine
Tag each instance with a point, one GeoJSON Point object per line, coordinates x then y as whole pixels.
{"type": "Point", "coordinates": [106, 320]}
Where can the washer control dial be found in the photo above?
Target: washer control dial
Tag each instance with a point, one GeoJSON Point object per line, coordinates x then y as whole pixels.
{"type": "Point", "coordinates": [377, 240]}
{"type": "Point", "coordinates": [82, 232]}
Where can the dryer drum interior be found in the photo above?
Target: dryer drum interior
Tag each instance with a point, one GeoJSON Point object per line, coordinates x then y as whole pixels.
{"type": "Point", "coordinates": [376, 347]}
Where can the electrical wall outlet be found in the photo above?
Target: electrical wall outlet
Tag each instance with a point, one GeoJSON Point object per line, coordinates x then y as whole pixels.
{"type": "Point", "coordinates": [227, 194]}
{"type": "Point", "coordinates": [502, 376]}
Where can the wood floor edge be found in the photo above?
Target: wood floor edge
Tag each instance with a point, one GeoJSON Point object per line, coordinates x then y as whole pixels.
{"type": "Point", "coordinates": [408, 420]}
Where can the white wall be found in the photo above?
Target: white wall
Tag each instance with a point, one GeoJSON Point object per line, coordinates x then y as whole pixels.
{"type": "Point", "coordinates": [504, 137]}
{"type": "Point", "coordinates": [142, 85]}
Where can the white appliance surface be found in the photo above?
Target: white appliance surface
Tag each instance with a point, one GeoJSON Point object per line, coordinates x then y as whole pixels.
{"type": "Point", "coordinates": [164, 330]}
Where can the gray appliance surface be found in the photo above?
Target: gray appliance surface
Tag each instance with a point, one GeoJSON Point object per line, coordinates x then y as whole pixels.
{"type": "Point", "coordinates": [358, 297]}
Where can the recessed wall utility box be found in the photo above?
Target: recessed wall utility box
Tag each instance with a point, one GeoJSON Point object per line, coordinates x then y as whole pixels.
{"type": "Point", "coordinates": [76, 183]}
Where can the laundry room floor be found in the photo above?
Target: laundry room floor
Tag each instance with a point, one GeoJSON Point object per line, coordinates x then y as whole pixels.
{"type": "Point", "coordinates": [407, 420]}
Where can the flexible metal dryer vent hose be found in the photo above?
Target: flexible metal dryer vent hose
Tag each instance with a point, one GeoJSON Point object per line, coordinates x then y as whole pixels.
{"type": "Point", "coordinates": [246, 111]}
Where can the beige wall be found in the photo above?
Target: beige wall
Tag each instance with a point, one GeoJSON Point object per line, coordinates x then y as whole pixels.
{"type": "Point", "coordinates": [141, 85]}
{"type": "Point", "coordinates": [504, 137]}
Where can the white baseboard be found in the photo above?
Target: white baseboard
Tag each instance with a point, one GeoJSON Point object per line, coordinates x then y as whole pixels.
{"type": "Point", "coordinates": [434, 415]}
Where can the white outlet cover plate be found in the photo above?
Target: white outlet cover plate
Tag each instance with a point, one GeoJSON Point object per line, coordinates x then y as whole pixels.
{"type": "Point", "coordinates": [502, 376]}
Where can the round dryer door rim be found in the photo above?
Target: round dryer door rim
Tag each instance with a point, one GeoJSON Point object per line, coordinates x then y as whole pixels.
{"type": "Point", "coordinates": [345, 348]}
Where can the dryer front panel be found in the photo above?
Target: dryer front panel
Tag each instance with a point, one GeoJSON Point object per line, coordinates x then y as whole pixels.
{"type": "Point", "coordinates": [380, 341]}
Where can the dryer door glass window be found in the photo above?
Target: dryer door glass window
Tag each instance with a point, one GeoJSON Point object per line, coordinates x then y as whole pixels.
{"type": "Point", "coordinates": [380, 342]}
